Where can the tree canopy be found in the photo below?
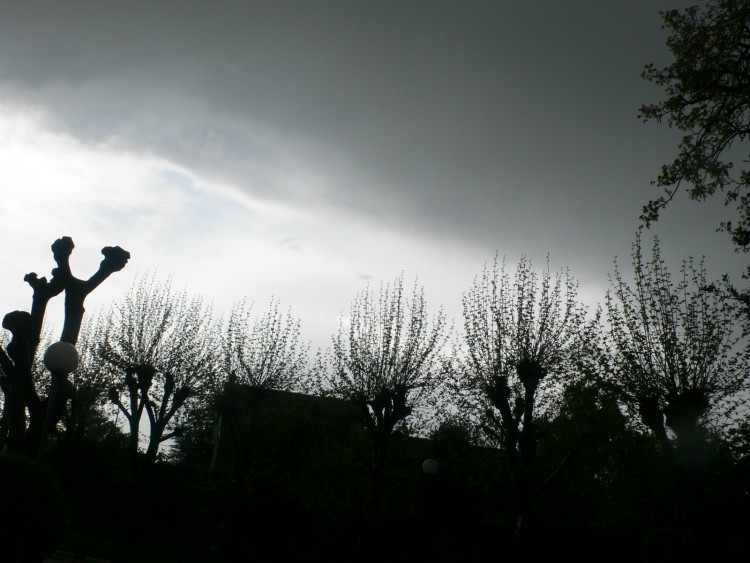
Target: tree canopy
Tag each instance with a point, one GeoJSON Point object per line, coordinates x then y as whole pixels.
{"type": "Point", "coordinates": [708, 99]}
{"type": "Point", "coordinates": [163, 345]}
{"type": "Point", "coordinates": [525, 340]}
{"type": "Point", "coordinates": [673, 346]}
{"type": "Point", "coordinates": [263, 351]}
{"type": "Point", "coordinates": [386, 363]}
{"type": "Point", "coordinates": [388, 356]}
{"type": "Point", "coordinates": [511, 325]}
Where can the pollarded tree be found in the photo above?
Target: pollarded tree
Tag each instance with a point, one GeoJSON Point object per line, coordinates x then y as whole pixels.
{"type": "Point", "coordinates": [525, 338]}
{"type": "Point", "coordinates": [263, 353]}
{"type": "Point", "coordinates": [164, 345]}
{"type": "Point", "coordinates": [385, 363]}
{"type": "Point", "coordinates": [708, 99]}
{"type": "Point", "coordinates": [26, 413]}
{"type": "Point", "coordinates": [674, 357]}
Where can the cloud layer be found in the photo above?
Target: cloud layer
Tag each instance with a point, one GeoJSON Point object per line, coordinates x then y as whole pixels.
{"type": "Point", "coordinates": [337, 141]}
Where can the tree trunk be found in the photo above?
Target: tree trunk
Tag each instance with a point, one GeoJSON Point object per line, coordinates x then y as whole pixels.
{"type": "Point", "coordinates": [526, 489]}
{"type": "Point", "coordinates": [153, 445]}
{"type": "Point", "coordinates": [525, 524]}
{"type": "Point", "coordinates": [133, 441]}
{"type": "Point", "coordinates": [377, 476]}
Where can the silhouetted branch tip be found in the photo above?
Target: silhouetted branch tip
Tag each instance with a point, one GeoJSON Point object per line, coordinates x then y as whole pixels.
{"type": "Point", "coordinates": [115, 258]}
{"type": "Point", "coordinates": [17, 322]}
{"type": "Point", "coordinates": [35, 281]}
{"type": "Point", "coordinates": [62, 248]}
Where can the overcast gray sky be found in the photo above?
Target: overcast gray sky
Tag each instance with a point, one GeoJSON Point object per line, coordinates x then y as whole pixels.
{"type": "Point", "coordinates": [302, 149]}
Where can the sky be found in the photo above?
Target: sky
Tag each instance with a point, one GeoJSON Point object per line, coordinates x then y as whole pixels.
{"type": "Point", "coordinates": [302, 150]}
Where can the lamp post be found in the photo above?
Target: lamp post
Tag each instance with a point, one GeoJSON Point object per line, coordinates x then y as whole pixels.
{"type": "Point", "coordinates": [60, 359]}
{"type": "Point", "coordinates": [216, 438]}
{"type": "Point", "coordinates": [430, 467]}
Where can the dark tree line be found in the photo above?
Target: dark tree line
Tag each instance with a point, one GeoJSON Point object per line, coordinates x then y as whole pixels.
{"type": "Point", "coordinates": [663, 360]}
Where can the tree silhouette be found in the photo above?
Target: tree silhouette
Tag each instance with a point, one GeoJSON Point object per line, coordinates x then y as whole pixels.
{"type": "Point", "coordinates": [525, 338]}
{"type": "Point", "coordinates": [164, 346]}
{"type": "Point", "coordinates": [708, 99]}
{"type": "Point", "coordinates": [674, 360]}
{"type": "Point", "coordinates": [22, 431]}
{"type": "Point", "coordinates": [263, 353]}
{"type": "Point", "coordinates": [385, 363]}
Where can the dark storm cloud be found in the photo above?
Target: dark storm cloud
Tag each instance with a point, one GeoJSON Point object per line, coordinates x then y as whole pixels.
{"type": "Point", "coordinates": [505, 121]}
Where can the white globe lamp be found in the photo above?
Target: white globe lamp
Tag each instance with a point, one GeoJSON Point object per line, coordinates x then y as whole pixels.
{"type": "Point", "coordinates": [61, 357]}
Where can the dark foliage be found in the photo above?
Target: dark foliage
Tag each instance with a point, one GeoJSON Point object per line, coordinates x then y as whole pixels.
{"type": "Point", "coordinates": [33, 510]}
{"type": "Point", "coordinates": [544, 429]}
{"type": "Point", "coordinates": [163, 348]}
{"type": "Point", "coordinates": [674, 356]}
{"type": "Point", "coordinates": [526, 339]}
{"type": "Point", "coordinates": [708, 99]}
{"type": "Point", "coordinates": [386, 363]}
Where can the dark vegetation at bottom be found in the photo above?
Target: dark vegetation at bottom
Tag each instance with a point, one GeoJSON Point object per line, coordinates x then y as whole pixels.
{"type": "Point", "coordinates": [299, 488]}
